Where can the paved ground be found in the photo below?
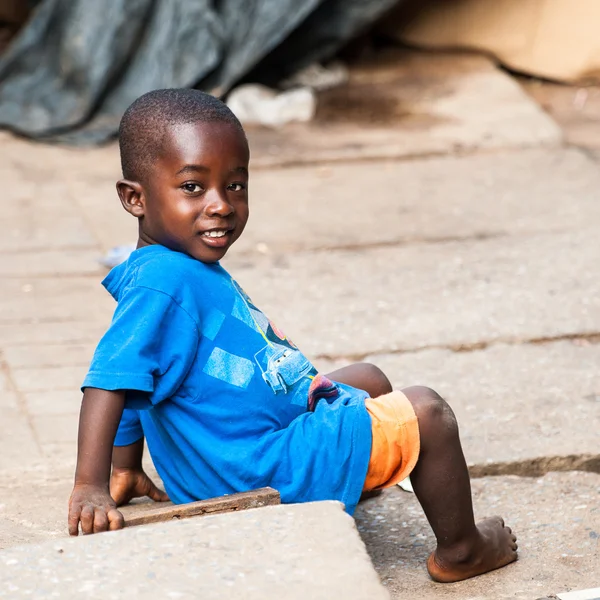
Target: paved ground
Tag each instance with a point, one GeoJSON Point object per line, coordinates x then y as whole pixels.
{"type": "Point", "coordinates": [557, 518]}
{"type": "Point", "coordinates": [291, 552]}
{"type": "Point", "coordinates": [463, 255]}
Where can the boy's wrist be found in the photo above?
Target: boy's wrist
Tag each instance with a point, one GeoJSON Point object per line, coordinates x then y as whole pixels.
{"type": "Point", "coordinates": [126, 470]}
{"type": "Point", "coordinates": [128, 458]}
{"type": "Point", "coordinates": [81, 483]}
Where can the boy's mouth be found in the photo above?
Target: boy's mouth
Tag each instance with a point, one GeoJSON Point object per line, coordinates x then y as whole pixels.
{"type": "Point", "coordinates": [216, 233]}
{"type": "Point", "coordinates": [216, 238]}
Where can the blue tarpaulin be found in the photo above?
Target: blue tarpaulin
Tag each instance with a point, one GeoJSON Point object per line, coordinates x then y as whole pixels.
{"type": "Point", "coordinates": [77, 64]}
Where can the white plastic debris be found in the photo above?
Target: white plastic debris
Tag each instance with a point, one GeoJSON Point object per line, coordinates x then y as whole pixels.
{"type": "Point", "coordinates": [115, 256]}
{"type": "Point", "coordinates": [406, 485]}
{"type": "Point", "coordinates": [255, 104]}
{"type": "Point", "coordinates": [318, 77]}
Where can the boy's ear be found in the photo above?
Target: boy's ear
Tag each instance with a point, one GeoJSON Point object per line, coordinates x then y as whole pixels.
{"type": "Point", "coordinates": [132, 197]}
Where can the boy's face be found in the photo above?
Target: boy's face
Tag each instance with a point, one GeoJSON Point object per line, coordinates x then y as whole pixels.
{"type": "Point", "coordinates": [195, 199]}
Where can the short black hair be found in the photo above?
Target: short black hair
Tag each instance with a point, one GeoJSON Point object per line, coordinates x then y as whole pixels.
{"type": "Point", "coordinates": [145, 123]}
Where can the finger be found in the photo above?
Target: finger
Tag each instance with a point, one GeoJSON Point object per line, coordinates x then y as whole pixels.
{"type": "Point", "coordinates": [100, 520]}
{"type": "Point", "coordinates": [115, 520]}
{"type": "Point", "coordinates": [156, 494]}
{"type": "Point", "coordinates": [74, 514]}
{"type": "Point", "coordinates": [87, 519]}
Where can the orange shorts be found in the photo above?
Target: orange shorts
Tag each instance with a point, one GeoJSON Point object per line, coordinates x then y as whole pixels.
{"type": "Point", "coordinates": [396, 444]}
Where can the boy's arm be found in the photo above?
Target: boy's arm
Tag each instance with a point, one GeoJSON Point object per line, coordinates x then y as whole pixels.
{"type": "Point", "coordinates": [91, 503]}
{"type": "Point", "coordinates": [128, 457]}
{"type": "Point", "coordinates": [128, 479]}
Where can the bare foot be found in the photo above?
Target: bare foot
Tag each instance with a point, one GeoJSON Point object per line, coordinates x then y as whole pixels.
{"type": "Point", "coordinates": [494, 546]}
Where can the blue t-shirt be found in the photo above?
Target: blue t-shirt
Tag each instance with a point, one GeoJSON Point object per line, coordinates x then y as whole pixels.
{"type": "Point", "coordinates": [227, 403]}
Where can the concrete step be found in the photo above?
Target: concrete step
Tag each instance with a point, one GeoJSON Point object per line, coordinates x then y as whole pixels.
{"type": "Point", "coordinates": [288, 552]}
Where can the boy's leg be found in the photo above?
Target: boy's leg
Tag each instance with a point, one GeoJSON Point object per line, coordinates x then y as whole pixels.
{"type": "Point", "coordinates": [442, 486]}
{"type": "Point", "coordinates": [441, 483]}
{"type": "Point", "coordinates": [371, 379]}
{"type": "Point", "coordinates": [363, 376]}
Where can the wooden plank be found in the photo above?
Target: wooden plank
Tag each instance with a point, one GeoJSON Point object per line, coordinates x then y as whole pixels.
{"type": "Point", "coordinates": [234, 502]}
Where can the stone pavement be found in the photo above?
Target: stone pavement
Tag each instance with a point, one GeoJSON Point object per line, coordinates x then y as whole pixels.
{"type": "Point", "coordinates": [294, 552]}
{"type": "Point", "coordinates": [462, 255]}
{"type": "Point", "coordinates": [556, 517]}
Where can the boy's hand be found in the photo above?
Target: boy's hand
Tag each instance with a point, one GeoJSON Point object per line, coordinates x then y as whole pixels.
{"type": "Point", "coordinates": [93, 507]}
{"type": "Point", "coordinates": [126, 484]}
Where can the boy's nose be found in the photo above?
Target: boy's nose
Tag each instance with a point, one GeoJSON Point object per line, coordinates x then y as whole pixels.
{"type": "Point", "coordinates": [217, 204]}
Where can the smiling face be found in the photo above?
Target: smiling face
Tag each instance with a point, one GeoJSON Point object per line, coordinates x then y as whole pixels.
{"type": "Point", "coordinates": [194, 198]}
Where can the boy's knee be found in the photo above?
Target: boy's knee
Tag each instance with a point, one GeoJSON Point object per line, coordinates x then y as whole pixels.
{"type": "Point", "coordinates": [379, 384]}
{"type": "Point", "coordinates": [433, 412]}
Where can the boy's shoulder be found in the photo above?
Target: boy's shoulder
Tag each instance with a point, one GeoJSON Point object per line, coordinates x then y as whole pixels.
{"type": "Point", "coordinates": [162, 270]}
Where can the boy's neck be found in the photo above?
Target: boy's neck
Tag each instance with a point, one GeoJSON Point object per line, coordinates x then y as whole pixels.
{"type": "Point", "coordinates": [143, 243]}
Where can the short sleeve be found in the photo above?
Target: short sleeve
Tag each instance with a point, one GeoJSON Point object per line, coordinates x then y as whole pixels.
{"type": "Point", "coordinates": [149, 347]}
{"type": "Point", "coordinates": [130, 428]}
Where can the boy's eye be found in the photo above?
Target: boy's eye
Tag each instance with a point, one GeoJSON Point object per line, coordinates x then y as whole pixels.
{"type": "Point", "coordinates": [191, 188]}
{"type": "Point", "coordinates": [236, 187]}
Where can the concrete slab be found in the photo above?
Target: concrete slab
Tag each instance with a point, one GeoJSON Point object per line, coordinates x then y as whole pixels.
{"type": "Point", "coordinates": [68, 230]}
{"type": "Point", "coordinates": [61, 453]}
{"type": "Point", "coordinates": [19, 447]}
{"type": "Point", "coordinates": [73, 299]}
{"type": "Point", "coordinates": [34, 504]}
{"type": "Point", "coordinates": [302, 551]}
{"type": "Point", "coordinates": [51, 355]}
{"type": "Point", "coordinates": [54, 402]}
{"type": "Point", "coordinates": [40, 215]}
{"type": "Point", "coordinates": [32, 331]}
{"type": "Point", "coordinates": [8, 399]}
{"type": "Point", "coordinates": [80, 261]}
{"type": "Point", "coordinates": [32, 184]}
{"type": "Point", "coordinates": [3, 382]}
{"type": "Point", "coordinates": [556, 519]}
{"type": "Point", "coordinates": [57, 429]}
{"type": "Point", "coordinates": [14, 534]}
{"type": "Point", "coordinates": [354, 303]}
{"type": "Point", "coordinates": [406, 104]}
{"type": "Point", "coordinates": [379, 203]}
{"type": "Point", "coordinates": [526, 405]}
{"type": "Point", "coordinates": [49, 378]}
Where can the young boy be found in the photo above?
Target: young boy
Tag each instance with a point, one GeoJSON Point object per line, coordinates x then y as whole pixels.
{"type": "Point", "coordinates": [225, 401]}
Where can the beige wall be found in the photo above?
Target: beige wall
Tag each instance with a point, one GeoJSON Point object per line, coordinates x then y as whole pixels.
{"type": "Point", "coordinates": [556, 39]}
